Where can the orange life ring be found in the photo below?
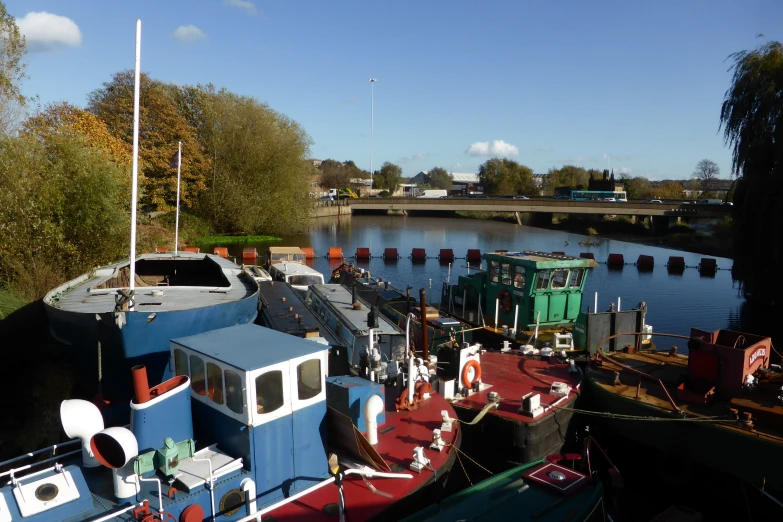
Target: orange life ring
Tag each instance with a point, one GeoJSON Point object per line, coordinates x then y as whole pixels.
{"type": "Point", "coordinates": [466, 370]}
{"type": "Point", "coordinates": [505, 301]}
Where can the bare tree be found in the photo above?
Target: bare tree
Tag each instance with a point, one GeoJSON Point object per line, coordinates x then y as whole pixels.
{"type": "Point", "coordinates": [706, 172]}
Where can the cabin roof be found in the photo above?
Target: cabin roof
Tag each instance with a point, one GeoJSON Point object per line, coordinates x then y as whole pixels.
{"type": "Point", "coordinates": [294, 269]}
{"type": "Point", "coordinates": [285, 250]}
{"type": "Point", "coordinates": [541, 260]}
{"type": "Point", "coordinates": [248, 346]}
{"type": "Point", "coordinates": [275, 310]}
{"type": "Point", "coordinates": [340, 299]}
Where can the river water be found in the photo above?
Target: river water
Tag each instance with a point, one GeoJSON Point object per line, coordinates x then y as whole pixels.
{"type": "Point", "coordinates": [675, 302]}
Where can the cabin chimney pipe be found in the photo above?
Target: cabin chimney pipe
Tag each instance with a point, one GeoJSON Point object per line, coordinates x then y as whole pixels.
{"type": "Point", "coordinates": [141, 386]}
{"type": "Point", "coordinates": [423, 303]}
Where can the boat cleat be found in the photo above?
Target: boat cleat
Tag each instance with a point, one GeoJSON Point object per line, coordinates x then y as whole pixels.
{"type": "Point", "coordinates": [437, 441]}
{"type": "Point", "coordinates": [445, 427]}
{"type": "Point", "coordinates": [420, 461]}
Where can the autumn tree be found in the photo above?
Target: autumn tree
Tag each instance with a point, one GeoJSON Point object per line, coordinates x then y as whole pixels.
{"type": "Point", "coordinates": [13, 70]}
{"type": "Point", "coordinates": [63, 118]}
{"type": "Point", "coordinates": [440, 178]}
{"type": "Point", "coordinates": [636, 188]}
{"type": "Point", "coordinates": [752, 120]}
{"type": "Point", "coordinates": [567, 176]}
{"type": "Point", "coordinates": [161, 126]}
{"type": "Point", "coordinates": [389, 177]}
{"type": "Point", "coordinates": [668, 190]}
{"type": "Point", "coordinates": [505, 176]}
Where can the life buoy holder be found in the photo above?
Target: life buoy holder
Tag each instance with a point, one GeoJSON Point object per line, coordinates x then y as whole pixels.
{"type": "Point", "coordinates": [466, 371]}
{"type": "Point", "coordinates": [505, 301]}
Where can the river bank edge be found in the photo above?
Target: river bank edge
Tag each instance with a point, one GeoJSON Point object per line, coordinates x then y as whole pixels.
{"type": "Point", "coordinates": [715, 242]}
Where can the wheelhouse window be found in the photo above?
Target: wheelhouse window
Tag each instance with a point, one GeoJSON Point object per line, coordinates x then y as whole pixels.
{"type": "Point", "coordinates": [493, 271]}
{"type": "Point", "coordinates": [506, 273]}
{"type": "Point", "coordinates": [197, 378]}
{"type": "Point", "coordinates": [308, 379]}
{"type": "Point", "coordinates": [559, 279]}
{"type": "Point", "coordinates": [269, 391]}
{"type": "Point", "coordinates": [577, 275]}
{"type": "Point", "coordinates": [234, 392]}
{"type": "Point", "coordinates": [215, 383]}
{"type": "Point", "coordinates": [519, 277]}
{"type": "Point", "coordinates": [304, 280]}
{"type": "Point", "coordinates": [543, 279]}
{"type": "Point", "coordinates": [180, 362]}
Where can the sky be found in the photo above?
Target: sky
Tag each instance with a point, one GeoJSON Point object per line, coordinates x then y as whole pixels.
{"type": "Point", "coordinates": [631, 86]}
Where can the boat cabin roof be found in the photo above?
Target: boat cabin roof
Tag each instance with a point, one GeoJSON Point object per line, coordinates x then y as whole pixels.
{"type": "Point", "coordinates": [248, 346]}
{"type": "Point", "coordinates": [340, 300]}
{"type": "Point", "coordinates": [285, 250]}
{"type": "Point", "coordinates": [294, 269]}
{"type": "Point", "coordinates": [277, 298]}
{"type": "Point", "coordinates": [539, 260]}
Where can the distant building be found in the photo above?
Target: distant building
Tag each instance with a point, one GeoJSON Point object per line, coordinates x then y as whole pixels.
{"type": "Point", "coordinates": [605, 183]}
{"type": "Point", "coordinates": [540, 181]}
{"type": "Point", "coordinates": [461, 181]}
{"type": "Point", "coordinates": [316, 162]}
{"type": "Point", "coordinates": [718, 187]}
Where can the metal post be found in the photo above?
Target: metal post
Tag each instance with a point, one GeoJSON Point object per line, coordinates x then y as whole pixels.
{"type": "Point", "coordinates": [372, 125]}
{"type": "Point", "coordinates": [595, 309]}
{"type": "Point", "coordinates": [497, 310]}
{"type": "Point", "coordinates": [135, 168]}
{"type": "Point", "coordinates": [424, 340]}
{"type": "Point", "coordinates": [464, 300]}
{"type": "Point", "coordinates": [618, 304]}
{"type": "Point", "coordinates": [176, 221]}
{"type": "Point", "coordinates": [516, 317]}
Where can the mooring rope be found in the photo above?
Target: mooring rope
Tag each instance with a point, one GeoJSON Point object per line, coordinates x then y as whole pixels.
{"type": "Point", "coordinates": [609, 415]}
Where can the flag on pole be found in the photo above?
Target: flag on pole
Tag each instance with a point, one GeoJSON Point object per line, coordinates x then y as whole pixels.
{"type": "Point", "coordinates": [174, 162]}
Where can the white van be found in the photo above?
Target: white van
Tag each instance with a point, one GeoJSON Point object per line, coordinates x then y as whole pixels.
{"type": "Point", "coordinates": [434, 193]}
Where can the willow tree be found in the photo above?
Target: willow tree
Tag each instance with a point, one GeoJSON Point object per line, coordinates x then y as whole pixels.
{"type": "Point", "coordinates": [13, 70]}
{"type": "Point", "coordinates": [752, 120]}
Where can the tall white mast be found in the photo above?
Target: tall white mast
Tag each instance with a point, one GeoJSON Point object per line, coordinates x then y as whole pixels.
{"type": "Point", "coordinates": [176, 221]}
{"type": "Point", "coordinates": [134, 191]}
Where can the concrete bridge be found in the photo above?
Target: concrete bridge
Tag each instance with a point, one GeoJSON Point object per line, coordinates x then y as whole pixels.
{"type": "Point", "coordinates": [535, 210]}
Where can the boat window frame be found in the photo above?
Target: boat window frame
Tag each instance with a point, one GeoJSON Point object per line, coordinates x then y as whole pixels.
{"type": "Point", "coordinates": [520, 270]}
{"type": "Point", "coordinates": [217, 380]}
{"type": "Point", "coordinates": [231, 395]}
{"type": "Point", "coordinates": [284, 409]}
{"type": "Point", "coordinates": [565, 279]}
{"type": "Point", "coordinates": [176, 363]}
{"type": "Point", "coordinates": [494, 271]}
{"type": "Point", "coordinates": [322, 358]}
{"type": "Point", "coordinates": [505, 275]}
{"type": "Point", "coordinates": [546, 271]}
{"type": "Point", "coordinates": [195, 380]}
{"type": "Point", "coordinates": [580, 273]}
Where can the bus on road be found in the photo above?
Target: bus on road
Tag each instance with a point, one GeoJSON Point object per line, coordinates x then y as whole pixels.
{"type": "Point", "coordinates": [599, 195]}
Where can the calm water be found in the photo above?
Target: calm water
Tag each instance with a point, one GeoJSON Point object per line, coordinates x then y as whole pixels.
{"type": "Point", "coordinates": [675, 303]}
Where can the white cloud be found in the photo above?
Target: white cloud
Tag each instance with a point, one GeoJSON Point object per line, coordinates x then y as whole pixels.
{"type": "Point", "coordinates": [46, 31]}
{"type": "Point", "coordinates": [624, 170]}
{"type": "Point", "coordinates": [189, 33]}
{"type": "Point", "coordinates": [496, 148]}
{"type": "Point", "coordinates": [244, 5]}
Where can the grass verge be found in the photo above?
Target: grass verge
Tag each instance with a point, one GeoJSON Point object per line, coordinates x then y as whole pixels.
{"type": "Point", "coordinates": [233, 240]}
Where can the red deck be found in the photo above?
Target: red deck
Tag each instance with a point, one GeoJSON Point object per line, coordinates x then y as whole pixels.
{"type": "Point", "coordinates": [411, 429]}
{"type": "Point", "coordinates": [513, 375]}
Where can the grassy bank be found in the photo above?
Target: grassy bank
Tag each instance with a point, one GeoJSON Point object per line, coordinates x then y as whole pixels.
{"type": "Point", "coordinates": [10, 302]}
{"type": "Point", "coordinates": [233, 240]}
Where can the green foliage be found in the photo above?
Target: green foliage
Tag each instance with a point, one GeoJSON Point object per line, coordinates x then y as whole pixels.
{"type": "Point", "coordinates": [668, 190]}
{"type": "Point", "coordinates": [384, 194]}
{"type": "Point", "coordinates": [335, 174]}
{"type": "Point", "coordinates": [568, 176]}
{"type": "Point", "coordinates": [260, 179]}
{"type": "Point", "coordinates": [389, 177]}
{"type": "Point", "coordinates": [161, 126]}
{"type": "Point", "coordinates": [637, 188]}
{"type": "Point", "coordinates": [592, 231]}
{"type": "Point", "coordinates": [63, 209]}
{"type": "Point", "coordinates": [440, 178]}
{"type": "Point", "coordinates": [505, 176]}
{"type": "Point", "coordinates": [234, 240]}
{"type": "Point", "coordinates": [752, 120]}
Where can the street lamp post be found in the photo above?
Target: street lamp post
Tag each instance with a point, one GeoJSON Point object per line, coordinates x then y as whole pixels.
{"type": "Point", "coordinates": [372, 125]}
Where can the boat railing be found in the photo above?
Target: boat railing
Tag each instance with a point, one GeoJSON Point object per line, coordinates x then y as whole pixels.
{"type": "Point", "coordinates": [28, 461]}
{"type": "Point", "coordinates": [641, 374]}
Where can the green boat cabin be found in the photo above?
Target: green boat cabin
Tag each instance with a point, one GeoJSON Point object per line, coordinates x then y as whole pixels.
{"type": "Point", "coordinates": [538, 284]}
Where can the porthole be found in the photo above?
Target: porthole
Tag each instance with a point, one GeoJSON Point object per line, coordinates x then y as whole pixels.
{"type": "Point", "coordinates": [46, 492]}
{"type": "Point", "coordinates": [232, 501]}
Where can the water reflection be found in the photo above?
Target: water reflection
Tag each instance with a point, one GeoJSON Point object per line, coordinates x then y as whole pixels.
{"type": "Point", "coordinates": [675, 302]}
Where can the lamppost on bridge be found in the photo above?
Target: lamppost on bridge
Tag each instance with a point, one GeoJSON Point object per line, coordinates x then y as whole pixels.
{"type": "Point", "coordinates": [372, 125]}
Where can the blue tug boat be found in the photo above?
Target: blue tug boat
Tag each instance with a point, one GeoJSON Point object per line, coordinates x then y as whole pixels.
{"type": "Point", "coordinates": [107, 328]}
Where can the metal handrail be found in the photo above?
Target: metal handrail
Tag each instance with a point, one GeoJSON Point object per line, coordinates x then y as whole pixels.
{"type": "Point", "coordinates": [53, 448]}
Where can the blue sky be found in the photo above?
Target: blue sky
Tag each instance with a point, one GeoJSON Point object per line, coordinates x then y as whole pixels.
{"type": "Point", "coordinates": [635, 86]}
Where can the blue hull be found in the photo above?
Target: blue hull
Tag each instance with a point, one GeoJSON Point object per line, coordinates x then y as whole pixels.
{"type": "Point", "coordinates": [139, 341]}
